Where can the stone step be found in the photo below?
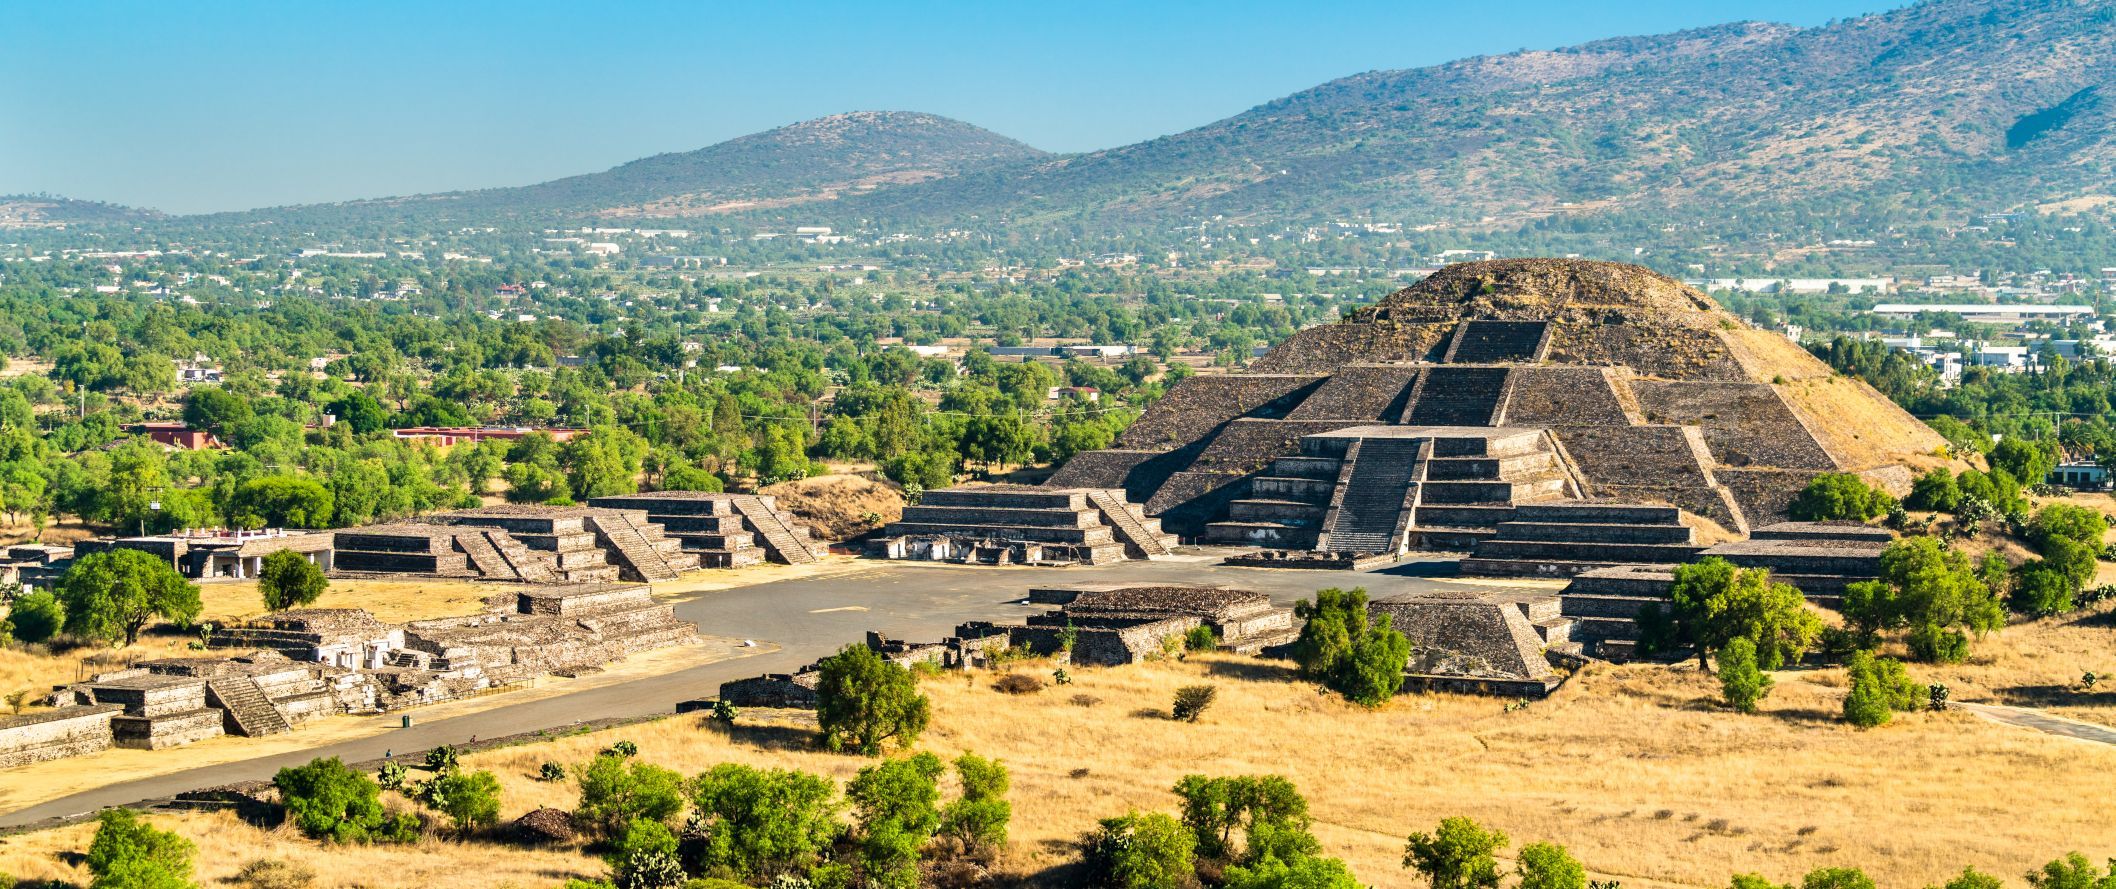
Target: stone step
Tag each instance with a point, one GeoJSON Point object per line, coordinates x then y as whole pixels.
{"type": "Point", "coordinates": [1268, 534]}
{"type": "Point", "coordinates": [1463, 515]}
{"type": "Point", "coordinates": [1606, 605]}
{"type": "Point", "coordinates": [1486, 566]}
{"type": "Point", "coordinates": [1132, 530]}
{"type": "Point", "coordinates": [1490, 468]}
{"type": "Point", "coordinates": [1585, 551]}
{"type": "Point", "coordinates": [1599, 533]}
{"type": "Point", "coordinates": [1323, 468]}
{"type": "Point", "coordinates": [1314, 490]}
{"type": "Point", "coordinates": [1291, 512]}
{"type": "Point", "coordinates": [1453, 540]}
{"type": "Point", "coordinates": [780, 540]}
{"type": "Point", "coordinates": [1600, 513]}
{"type": "Point", "coordinates": [246, 709]}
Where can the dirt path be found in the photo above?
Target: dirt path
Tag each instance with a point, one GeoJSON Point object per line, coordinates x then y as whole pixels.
{"type": "Point", "coordinates": [2037, 720]}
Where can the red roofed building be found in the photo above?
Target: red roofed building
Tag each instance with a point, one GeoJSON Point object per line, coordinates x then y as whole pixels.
{"type": "Point", "coordinates": [176, 435]}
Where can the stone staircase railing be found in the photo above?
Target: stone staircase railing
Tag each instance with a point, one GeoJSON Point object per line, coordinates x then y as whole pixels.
{"type": "Point", "coordinates": [1128, 526]}
{"type": "Point", "coordinates": [632, 547]}
{"type": "Point", "coordinates": [776, 535]}
{"type": "Point", "coordinates": [246, 705]}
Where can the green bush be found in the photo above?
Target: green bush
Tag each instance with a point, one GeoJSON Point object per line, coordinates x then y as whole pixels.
{"type": "Point", "coordinates": [763, 823]}
{"type": "Point", "coordinates": [1142, 850]}
{"type": "Point", "coordinates": [1268, 809]}
{"type": "Point", "coordinates": [471, 800]}
{"type": "Point", "coordinates": [864, 701]}
{"type": "Point", "coordinates": [328, 800]}
{"type": "Point", "coordinates": [129, 853]}
{"type": "Point", "coordinates": [1456, 856]}
{"type": "Point", "coordinates": [1834, 496]}
{"type": "Point", "coordinates": [978, 819]}
{"type": "Point", "coordinates": [614, 793]}
{"type": "Point", "coordinates": [1308, 872]}
{"type": "Point", "coordinates": [289, 579]}
{"type": "Point", "coordinates": [1200, 638]}
{"type": "Point", "coordinates": [645, 857]}
{"type": "Point", "coordinates": [1345, 651]}
{"type": "Point", "coordinates": [1935, 491]}
{"type": "Point", "coordinates": [37, 617]}
{"type": "Point", "coordinates": [1879, 688]}
{"type": "Point", "coordinates": [1742, 682]}
{"type": "Point", "coordinates": [2070, 872]}
{"type": "Point", "coordinates": [1549, 866]}
{"type": "Point", "coordinates": [1836, 878]}
{"type": "Point", "coordinates": [897, 803]}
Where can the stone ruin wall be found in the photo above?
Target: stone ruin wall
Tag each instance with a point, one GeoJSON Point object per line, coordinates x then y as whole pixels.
{"type": "Point", "coordinates": [56, 734]}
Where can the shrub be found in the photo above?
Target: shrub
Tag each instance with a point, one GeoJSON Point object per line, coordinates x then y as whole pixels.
{"type": "Point", "coordinates": [1141, 850]}
{"type": "Point", "coordinates": [1936, 491]}
{"type": "Point", "coordinates": [1191, 701]}
{"type": "Point", "coordinates": [1879, 687]}
{"type": "Point", "coordinates": [1836, 878]}
{"type": "Point", "coordinates": [443, 760]}
{"type": "Point", "coordinates": [129, 853]}
{"type": "Point", "coordinates": [1456, 856]}
{"type": "Point", "coordinates": [763, 822]}
{"type": "Point", "coordinates": [37, 617]}
{"type": "Point", "coordinates": [391, 776]}
{"type": "Point", "coordinates": [1018, 684]}
{"type": "Point", "coordinates": [1307, 872]}
{"type": "Point", "coordinates": [1925, 584]}
{"type": "Point", "coordinates": [1339, 647]}
{"type": "Point", "coordinates": [624, 749]}
{"type": "Point", "coordinates": [327, 800]}
{"type": "Point", "coordinates": [550, 772]}
{"type": "Point", "coordinates": [1269, 810]}
{"type": "Point", "coordinates": [2063, 520]}
{"type": "Point", "coordinates": [978, 819]}
{"type": "Point", "coordinates": [2041, 590]}
{"type": "Point", "coordinates": [1549, 866]}
{"type": "Point", "coordinates": [1716, 602]}
{"type": "Point", "coordinates": [2070, 872]}
{"type": "Point", "coordinates": [1971, 878]}
{"type": "Point", "coordinates": [471, 800]}
{"type": "Point", "coordinates": [645, 858]}
{"type": "Point", "coordinates": [1740, 680]}
{"type": "Point", "coordinates": [898, 806]}
{"type": "Point", "coordinates": [1201, 638]}
{"type": "Point", "coordinates": [864, 701]}
{"type": "Point", "coordinates": [272, 873]}
{"type": "Point", "coordinates": [614, 793]}
{"type": "Point", "coordinates": [1840, 495]}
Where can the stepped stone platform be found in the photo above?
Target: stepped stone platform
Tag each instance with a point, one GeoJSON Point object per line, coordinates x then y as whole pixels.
{"type": "Point", "coordinates": [724, 530]}
{"type": "Point", "coordinates": [1635, 389]}
{"type": "Point", "coordinates": [1819, 559]}
{"type": "Point", "coordinates": [1018, 524]}
{"type": "Point", "coordinates": [158, 711]}
{"type": "Point", "coordinates": [1483, 643]}
{"type": "Point", "coordinates": [522, 543]}
{"type": "Point", "coordinates": [57, 733]}
{"type": "Point", "coordinates": [1564, 539]}
{"type": "Point", "coordinates": [1245, 622]}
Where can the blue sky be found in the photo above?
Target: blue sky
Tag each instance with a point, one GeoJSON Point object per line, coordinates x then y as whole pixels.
{"type": "Point", "coordinates": [201, 106]}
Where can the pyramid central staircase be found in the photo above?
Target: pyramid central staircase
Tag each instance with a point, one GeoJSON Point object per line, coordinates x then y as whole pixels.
{"type": "Point", "coordinates": [248, 712]}
{"type": "Point", "coordinates": [649, 560]}
{"type": "Point", "coordinates": [783, 542]}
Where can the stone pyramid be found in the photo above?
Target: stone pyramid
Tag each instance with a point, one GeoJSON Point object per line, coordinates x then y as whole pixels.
{"type": "Point", "coordinates": [1493, 384]}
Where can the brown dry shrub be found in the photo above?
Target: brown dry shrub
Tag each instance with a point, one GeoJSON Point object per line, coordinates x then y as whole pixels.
{"type": "Point", "coordinates": [1018, 684]}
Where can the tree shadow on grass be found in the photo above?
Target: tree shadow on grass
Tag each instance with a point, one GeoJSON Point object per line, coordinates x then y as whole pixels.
{"type": "Point", "coordinates": [2057, 696]}
{"type": "Point", "coordinates": [1251, 670]}
{"type": "Point", "coordinates": [765, 736]}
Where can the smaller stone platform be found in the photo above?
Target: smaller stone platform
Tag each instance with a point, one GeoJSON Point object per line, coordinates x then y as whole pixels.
{"type": "Point", "coordinates": [1485, 643]}
{"type": "Point", "coordinates": [1017, 524]}
{"type": "Point", "coordinates": [724, 530]}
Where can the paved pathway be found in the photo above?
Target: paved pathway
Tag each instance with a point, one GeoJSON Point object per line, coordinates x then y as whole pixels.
{"type": "Point", "coordinates": [2030, 718]}
{"type": "Point", "coordinates": [808, 617]}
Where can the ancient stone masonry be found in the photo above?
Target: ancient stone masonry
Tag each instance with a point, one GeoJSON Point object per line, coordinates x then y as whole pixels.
{"type": "Point", "coordinates": [1245, 622]}
{"type": "Point", "coordinates": [533, 544]}
{"type": "Point", "coordinates": [1489, 643]}
{"type": "Point", "coordinates": [159, 711]}
{"type": "Point", "coordinates": [1820, 558]}
{"type": "Point", "coordinates": [1641, 391]}
{"type": "Point", "coordinates": [723, 530]}
{"type": "Point", "coordinates": [1012, 524]}
{"type": "Point", "coordinates": [57, 733]}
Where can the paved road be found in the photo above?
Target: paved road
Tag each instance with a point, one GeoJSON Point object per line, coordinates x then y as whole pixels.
{"type": "Point", "coordinates": [809, 618]}
{"type": "Point", "coordinates": [2029, 718]}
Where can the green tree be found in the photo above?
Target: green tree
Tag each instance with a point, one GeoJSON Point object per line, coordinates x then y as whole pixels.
{"type": "Point", "coordinates": [281, 501]}
{"type": "Point", "coordinates": [2070, 872]}
{"type": "Point", "coordinates": [1936, 491]}
{"type": "Point", "coordinates": [1142, 850]}
{"type": "Point", "coordinates": [1549, 866]}
{"type": "Point", "coordinates": [2068, 522]}
{"type": "Point", "coordinates": [865, 701]}
{"type": "Point", "coordinates": [1456, 856]}
{"type": "Point", "coordinates": [289, 579]}
{"type": "Point", "coordinates": [614, 792]}
{"type": "Point", "coordinates": [1263, 807]}
{"type": "Point", "coordinates": [328, 800]}
{"type": "Point", "coordinates": [1836, 878]}
{"type": "Point", "coordinates": [2028, 461]}
{"type": "Point", "coordinates": [1879, 688]}
{"type": "Point", "coordinates": [1971, 878]}
{"type": "Point", "coordinates": [1340, 647]}
{"type": "Point", "coordinates": [471, 800]}
{"type": "Point", "coordinates": [978, 818]}
{"type": "Point", "coordinates": [37, 617]}
{"type": "Point", "coordinates": [897, 804]}
{"type": "Point", "coordinates": [1742, 682]}
{"type": "Point", "coordinates": [762, 823]}
{"type": "Point", "coordinates": [111, 595]}
{"type": "Point", "coordinates": [129, 853]}
{"type": "Point", "coordinates": [1834, 496]}
{"type": "Point", "coordinates": [1929, 588]}
{"type": "Point", "coordinates": [1310, 872]}
{"type": "Point", "coordinates": [1716, 603]}
{"type": "Point", "coordinates": [215, 408]}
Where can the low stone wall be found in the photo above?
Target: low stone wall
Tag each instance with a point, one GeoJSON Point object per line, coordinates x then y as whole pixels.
{"type": "Point", "coordinates": [163, 732]}
{"type": "Point", "coordinates": [790, 690]}
{"type": "Point", "coordinates": [44, 735]}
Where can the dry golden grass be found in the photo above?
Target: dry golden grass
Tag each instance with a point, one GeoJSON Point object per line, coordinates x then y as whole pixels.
{"type": "Point", "coordinates": [836, 507]}
{"type": "Point", "coordinates": [1861, 427]}
{"type": "Point", "coordinates": [1636, 769]}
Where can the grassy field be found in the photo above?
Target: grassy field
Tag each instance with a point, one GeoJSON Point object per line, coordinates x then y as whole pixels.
{"type": "Point", "coordinates": [1635, 768]}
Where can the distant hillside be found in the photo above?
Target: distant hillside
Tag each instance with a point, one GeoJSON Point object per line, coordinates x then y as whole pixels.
{"type": "Point", "coordinates": [1953, 105]}
{"type": "Point", "coordinates": [816, 160]}
{"type": "Point", "coordinates": [36, 211]}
